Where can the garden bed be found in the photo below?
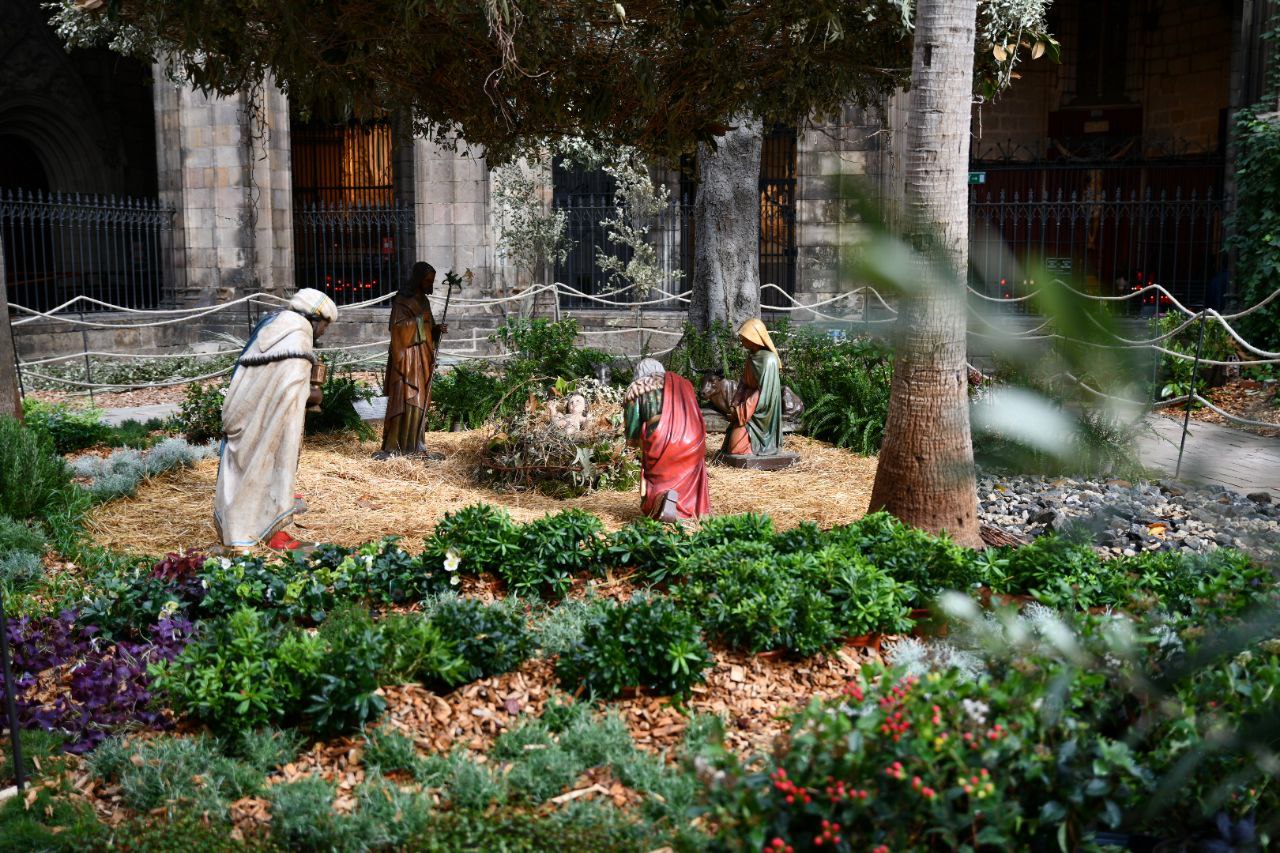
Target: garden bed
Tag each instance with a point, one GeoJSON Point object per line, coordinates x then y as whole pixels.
{"type": "Point", "coordinates": [353, 499]}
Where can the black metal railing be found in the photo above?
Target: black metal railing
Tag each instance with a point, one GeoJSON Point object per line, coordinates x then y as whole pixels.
{"type": "Point", "coordinates": [353, 253]}
{"type": "Point", "coordinates": [1106, 244]}
{"type": "Point", "coordinates": [587, 236]}
{"type": "Point", "coordinates": [59, 245]}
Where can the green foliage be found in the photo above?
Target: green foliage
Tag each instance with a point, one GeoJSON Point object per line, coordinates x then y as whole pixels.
{"type": "Point", "coordinates": [490, 638]}
{"type": "Point", "coordinates": [35, 483]}
{"type": "Point", "coordinates": [346, 697]}
{"type": "Point", "coordinates": [302, 817]}
{"type": "Point", "coordinates": [714, 351]}
{"type": "Point", "coordinates": [645, 643]}
{"type": "Point", "coordinates": [264, 750]}
{"type": "Point", "coordinates": [241, 674]}
{"type": "Point", "coordinates": [534, 558]}
{"type": "Point", "coordinates": [53, 822]}
{"type": "Point", "coordinates": [305, 587]}
{"type": "Point", "coordinates": [875, 765]}
{"type": "Point", "coordinates": [167, 771]}
{"type": "Point", "coordinates": [467, 395]}
{"type": "Point", "coordinates": [726, 529]}
{"type": "Point", "coordinates": [545, 349]}
{"type": "Point", "coordinates": [1254, 225]}
{"type": "Point", "coordinates": [67, 429]}
{"type": "Point", "coordinates": [1217, 345]}
{"type": "Point", "coordinates": [337, 412]}
{"type": "Point", "coordinates": [753, 598]}
{"type": "Point", "coordinates": [71, 429]}
{"type": "Point", "coordinates": [552, 549]}
{"type": "Point", "coordinates": [387, 751]}
{"type": "Point", "coordinates": [483, 536]}
{"type": "Point", "coordinates": [200, 414]}
{"type": "Point", "coordinates": [927, 563]}
{"type": "Point", "coordinates": [844, 384]}
{"type": "Point", "coordinates": [419, 650]}
{"type": "Point", "coordinates": [38, 748]}
{"type": "Point", "coordinates": [19, 569]}
{"type": "Point", "coordinates": [648, 546]}
{"type": "Point", "coordinates": [29, 535]}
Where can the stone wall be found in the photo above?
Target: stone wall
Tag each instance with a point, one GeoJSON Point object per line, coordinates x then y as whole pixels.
{"type": "Point", "coordinates": [223, 165]}
{"type": "Point", "coordinates": [1177, 70]}
{"type": "Point", "coordinates": [837, 158]}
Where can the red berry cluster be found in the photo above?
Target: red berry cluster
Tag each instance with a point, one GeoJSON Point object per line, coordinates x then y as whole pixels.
{"type": "Point", "coordinates": [778, 846]}
{"type": "Point", "coordinates": [979, 786]}
{"type": "Point", "coordinates": [830, 834]}
{"type": "Point", "coordinates": [996, 732]}
{"type": "Point", "coordinates": [896, 724]}
{"type": "Point", "coordinates": [836, 791]}
{"type": "Point", "coordinates": [880, 848]}
{"type": "Point", "coordinates": [925, 791]}
{"type": "Point", "coordinates": [794, 793]}
{"type": "Point", "coordinates": [896, 771]}
{"type": "Point", "coordinates": [854, 690]}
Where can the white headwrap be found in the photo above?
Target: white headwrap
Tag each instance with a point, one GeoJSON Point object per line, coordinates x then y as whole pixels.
{"type": "Point", "coordinates": [313, 304]}
{"type": "Point", "coordinates": [649, 367]}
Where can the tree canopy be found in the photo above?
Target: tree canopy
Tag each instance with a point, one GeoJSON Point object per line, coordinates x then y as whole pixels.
{"type": "Point", "coordinates": [658, 74]}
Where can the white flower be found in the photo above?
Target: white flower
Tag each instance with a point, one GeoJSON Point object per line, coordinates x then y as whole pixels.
{"type": "Point", "coordinates": [226, 564]}
{"type": "Point", "coordinates": [454, 580]}
{"type": "Point", "coordinates": [976, 710]}
{"type": "Point", "coordinates": [170, 608]}
{"type": "Point", "coordinates": [452, 559]}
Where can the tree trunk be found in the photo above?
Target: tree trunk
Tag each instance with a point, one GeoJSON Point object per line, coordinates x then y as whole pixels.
{"type": "Point", "coordinates": [925, 475]}
{"type": "Point", "coordinates": [726, 216]}
{"type": "Point", "coordinates": [10, 398]}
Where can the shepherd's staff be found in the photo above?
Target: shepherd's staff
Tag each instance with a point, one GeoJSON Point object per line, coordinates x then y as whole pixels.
{"type": "Point", "coordinates": [452, 282]}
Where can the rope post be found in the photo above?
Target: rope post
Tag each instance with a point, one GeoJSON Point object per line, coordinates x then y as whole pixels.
{"type": "Point", "coordinates": [1191, 397]}
{"type": "Point", "coordinates": [10, 706]}
{"type": "Point", "coordinates": [88, 366]}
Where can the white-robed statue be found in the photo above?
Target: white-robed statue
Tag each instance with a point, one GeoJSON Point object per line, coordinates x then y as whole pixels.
{"type": "Point", "coordinates": [262, 423]}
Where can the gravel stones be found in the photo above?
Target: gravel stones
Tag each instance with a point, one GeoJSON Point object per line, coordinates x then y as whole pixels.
{"type": "Point", "coordinates": [1125, 517]}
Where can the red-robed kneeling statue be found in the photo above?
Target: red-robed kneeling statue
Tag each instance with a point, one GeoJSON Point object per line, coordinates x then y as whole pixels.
{"type": "Point", "coordinates": [664, 420]}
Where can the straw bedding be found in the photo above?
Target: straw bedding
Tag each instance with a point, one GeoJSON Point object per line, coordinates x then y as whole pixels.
{"type": "Point", "coordinates": [353, 498]}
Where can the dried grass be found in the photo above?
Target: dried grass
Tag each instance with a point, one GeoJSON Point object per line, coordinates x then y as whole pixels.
{"type": "Point", "coordinates": [353, 498]}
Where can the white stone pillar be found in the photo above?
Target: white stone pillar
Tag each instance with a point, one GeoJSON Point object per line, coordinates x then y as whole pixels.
{"type": "Point", "coordinates": [223, 164]}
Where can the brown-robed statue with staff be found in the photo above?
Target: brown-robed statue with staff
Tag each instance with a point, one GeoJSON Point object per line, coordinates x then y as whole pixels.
{"type": "Point", "coordinates": [411, 361]}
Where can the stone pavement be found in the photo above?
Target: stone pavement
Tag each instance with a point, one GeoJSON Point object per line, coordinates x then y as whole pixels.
{"type": "Point", "coordinates": [1241, 461]}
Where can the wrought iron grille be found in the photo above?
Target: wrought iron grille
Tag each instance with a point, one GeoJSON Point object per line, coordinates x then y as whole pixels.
{"type": "Point", "coordinates": [58, 246]}
{"type": "Point", "coordinates": [1106, 244]}
{"type": "Point", "coordinates": [778, 214]}
{"type": "Point", "coordinates": [344, 164]}
{"type": "Point", "coordinates": [353, 253]}
{"type": "Point", "coordinates": [581, 271]}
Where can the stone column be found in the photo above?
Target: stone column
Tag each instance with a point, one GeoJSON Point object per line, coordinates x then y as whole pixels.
{"type": "Point", "coordinates": [451, 197]}
{"type": "Point", "coordinates": [834, 160]}
{"type": "Point", "coordinates": [223, 164]}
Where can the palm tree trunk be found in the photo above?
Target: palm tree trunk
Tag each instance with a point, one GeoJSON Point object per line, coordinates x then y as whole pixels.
{"type": "Point", "coordinates": [925, 476]}
{"type": "Point", "coordinates": [726, 216]}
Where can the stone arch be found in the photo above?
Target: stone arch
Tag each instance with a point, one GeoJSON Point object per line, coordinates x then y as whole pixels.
{"type": "Point", "coordinates": [71, 162]}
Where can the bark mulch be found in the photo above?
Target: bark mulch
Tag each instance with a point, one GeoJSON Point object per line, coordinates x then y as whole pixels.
{"type": "Point", "coordinates": [1245, 398]}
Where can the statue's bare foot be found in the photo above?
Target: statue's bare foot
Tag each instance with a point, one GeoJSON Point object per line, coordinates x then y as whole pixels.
{"type": "Point", "coordinates": [299, 505]}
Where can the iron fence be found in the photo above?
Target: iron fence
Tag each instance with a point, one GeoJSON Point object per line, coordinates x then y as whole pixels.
{"type": "Point", "coordinates": [59, 246]}
{"type": "Point", "coordinates": [353, 253]}
{"type": "Point", "coordinates": [1108, 245]}
{"type": "Point", "coordinates": [588, 236]}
